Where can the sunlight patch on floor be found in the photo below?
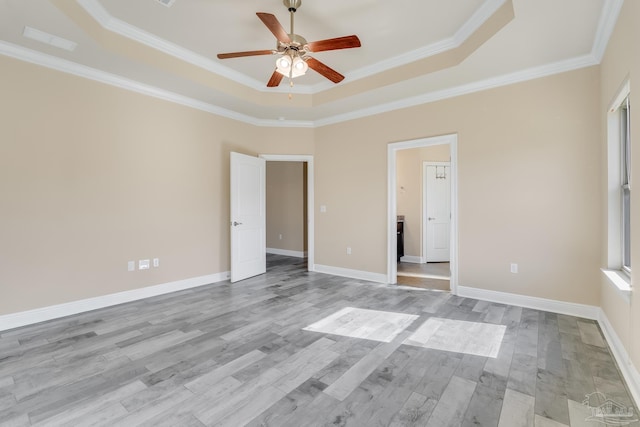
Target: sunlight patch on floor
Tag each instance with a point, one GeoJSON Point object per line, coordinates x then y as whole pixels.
{"type": "Point", "coordinates": [480, 339]}
{"type": "Point", "coordinates": [373, 325]}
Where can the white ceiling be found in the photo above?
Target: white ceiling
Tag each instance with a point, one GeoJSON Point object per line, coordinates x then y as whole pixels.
{"type": "Point", "coordinates": [170, 52]}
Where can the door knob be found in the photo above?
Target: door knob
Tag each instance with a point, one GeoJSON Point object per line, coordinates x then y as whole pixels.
{"type": "Point", "coordinates": [235, 224]}
{"type": "Point", "coordinates": [430, 219]}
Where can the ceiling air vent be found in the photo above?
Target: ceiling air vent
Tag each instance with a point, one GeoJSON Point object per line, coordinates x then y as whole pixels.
{"type": "Point", "coordinates": [167, 3]}
{"type": "Point", "coordinates": [50, 39]}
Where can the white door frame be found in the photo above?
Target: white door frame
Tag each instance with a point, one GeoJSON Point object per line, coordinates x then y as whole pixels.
{"type": "Point", "coordinates": [424, 222]}
{"type": "Point", "coordinates": [310, 198]}
{"type": "Point", "coordinates": [392, 149]}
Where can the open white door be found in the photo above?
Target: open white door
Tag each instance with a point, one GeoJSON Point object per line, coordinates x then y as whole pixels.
{"type": "Point", "coordinates": [248, 217]}
{"type": "Point", "coordinates": [438, 211]}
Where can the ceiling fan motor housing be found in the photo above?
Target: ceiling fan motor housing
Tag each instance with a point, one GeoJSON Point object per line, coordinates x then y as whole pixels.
{"type": "Point", "coordinates": [292, 5]}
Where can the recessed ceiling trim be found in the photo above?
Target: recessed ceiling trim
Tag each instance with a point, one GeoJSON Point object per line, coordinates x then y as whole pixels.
{"type": "Point", "coordinates": [608, 18]}
{"type": "Point", "coordinates": [107, 21]}
{"type": "Point", "coordinates": [50, 39]}
{"type": "Point", "coordinates": [70, 67]}
{"type": "Point", "coordinates": [63, 65]}
{"type": "Point", "coordinates": [482, 14]}
{"type": "Point", "coordinates": [491, 83]}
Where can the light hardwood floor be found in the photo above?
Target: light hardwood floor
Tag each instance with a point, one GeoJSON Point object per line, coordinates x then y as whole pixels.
{"type": "Point", "coordinates": [239, 354]}
{"type": "Point", "coordinates": [432, 275]}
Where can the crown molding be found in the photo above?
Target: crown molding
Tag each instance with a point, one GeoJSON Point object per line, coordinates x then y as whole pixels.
{"type": "Point", "coordinates": [110, 23]}
{"type": "Point", "coordinates": [69, 67]}
{"type": "Point", "coordinates": [107, 21]}
{"type": "Point", "coordinates": [66, 66]}
{"type": "Point", "coordinates": [484, 12]}
{"type": "Point", "coordinates": [608, 18]}
{"type": "Point", "coordinates": [507, 79]}
{"type": "Point", "coordinates": [607, 23]}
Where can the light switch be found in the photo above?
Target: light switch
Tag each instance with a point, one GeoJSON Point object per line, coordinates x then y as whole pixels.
{"type": "Point", "coordinates": [143, 264]}
{"type": "Point", "coordinates": [323, 208]}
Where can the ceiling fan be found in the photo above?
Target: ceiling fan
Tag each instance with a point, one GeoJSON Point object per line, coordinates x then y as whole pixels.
{"type": "Point", "coordinates": [294, 50]}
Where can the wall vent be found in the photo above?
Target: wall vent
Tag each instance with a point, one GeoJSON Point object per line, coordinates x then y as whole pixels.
{"type": "Point", "coordinates": [167, 3]}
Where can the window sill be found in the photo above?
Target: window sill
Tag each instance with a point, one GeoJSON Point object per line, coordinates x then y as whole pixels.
{"type": "Point", "coordinates": [620, 282]}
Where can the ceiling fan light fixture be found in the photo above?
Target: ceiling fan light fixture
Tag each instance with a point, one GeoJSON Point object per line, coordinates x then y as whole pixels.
{"type": "Point", "coordinates": [291, 66]}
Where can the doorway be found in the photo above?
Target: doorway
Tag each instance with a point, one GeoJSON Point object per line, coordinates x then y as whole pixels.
{"type": "Point", "coordinates": [395, 190]}
{"type": "Point", "coordinates": [308, 206]}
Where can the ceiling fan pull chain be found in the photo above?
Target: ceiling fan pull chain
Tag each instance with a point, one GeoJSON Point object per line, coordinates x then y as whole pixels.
{"type": "Point", "coordinates": [290, 82]}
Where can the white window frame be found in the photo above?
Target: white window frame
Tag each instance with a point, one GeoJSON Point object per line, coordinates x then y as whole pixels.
{"type": "Point", "coordinates": [625, 188]}
{"type": "Point", "coordinates": [616, 271]}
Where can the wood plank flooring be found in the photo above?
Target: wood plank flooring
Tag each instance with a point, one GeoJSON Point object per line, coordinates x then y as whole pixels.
{"type": "Point", "coordinates": [235, 355]}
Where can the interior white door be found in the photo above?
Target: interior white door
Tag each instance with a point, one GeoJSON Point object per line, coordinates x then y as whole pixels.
{"type": "Point", "coordinates": [437, 211]}
{"type": "Point", "coordinates": [248, 217]}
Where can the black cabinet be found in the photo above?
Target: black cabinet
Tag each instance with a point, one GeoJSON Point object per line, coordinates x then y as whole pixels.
{"type": "Point", "coordinates": [400, 238]}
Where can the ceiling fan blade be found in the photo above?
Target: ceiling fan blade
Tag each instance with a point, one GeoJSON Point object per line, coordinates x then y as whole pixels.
{"type": "Point", "coordinates": [321, 68]}
{"type": "Point", "coordinates": [346, 42]}
{"type": "Point", "coordinates": [275, 79]}
{"type": "Point", "coordinates": [274, 26]}
{"type": "Point", "coordinates": [247, 53]}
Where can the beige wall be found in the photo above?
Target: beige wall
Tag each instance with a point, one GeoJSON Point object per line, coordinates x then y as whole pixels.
{"type": "Point", "coordinates": [621, 61]}
{"type": "Point", "coordinates": [92, 176]}
{"type": "Point", "coordinates": [410, 191]}
{"type": "Point", "coordinates": [286, 203]}
{"type": "Point", "coordinates": [529, 167]}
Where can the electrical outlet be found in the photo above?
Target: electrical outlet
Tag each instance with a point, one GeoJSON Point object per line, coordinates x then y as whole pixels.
{"type": "Point", "coordinates": [143, 264]}
{"type": "Point", "coordinates": [514, 268]}
{"type": "Point", "coordinates": [323, 208]}
{"type": "Point", "coordinates": [131, 266]}
{"type": "Point", "coordinates": [348, 250]}
{"type": "Point", "coordinates": [156, 262]}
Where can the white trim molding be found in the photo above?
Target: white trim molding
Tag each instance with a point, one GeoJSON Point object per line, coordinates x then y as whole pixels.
{"type": "Point", "coordinates": [560, 307]}
{"type": "Point", "coordinates": [627, 368]}
{"type": "Point", "coordinates": [83, 71]}
{"type": "Point", "coordinates": [286, 252]}
{"type": "Point", "coordinates": [392, 148]}
{"type": "Point", "coordinates": [608, 18]}
{"type": "Point", "coordinates": [73, 68]}
{"type": "Point", "coordinates": [16, 320]}
{"type": "Point", "coordinates": [352, 274]}
{"type": "Point", "coordinates": [465, 89]}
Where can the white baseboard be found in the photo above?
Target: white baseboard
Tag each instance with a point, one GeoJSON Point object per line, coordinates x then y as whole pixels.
{"type": "Point", "coordinates": [353, 274]}
{"type": "Point", "coordinates": [560, 307]}
{"type": "Point", "coordinates": [412, 259]}
{"type": "Point", "coordinates": [629, 371]}
{"type": "Point", "coordinates": [16, 320]}
{"type": "Point", "coordinates": [286, 252]}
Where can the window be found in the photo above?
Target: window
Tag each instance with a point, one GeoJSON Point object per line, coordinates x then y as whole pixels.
{"type": "Point", "coordinates": [625, 166]}
{"type": "Point", "coordinates": [618, 268]}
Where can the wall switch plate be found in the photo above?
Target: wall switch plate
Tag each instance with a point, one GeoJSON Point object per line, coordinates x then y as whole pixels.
{"type": "Point", "coordinates": [323, 208]}
{"type": "Point", "coordinates": [143, 264]}
{"type": "Point", "coordinates": [348, 250]}
{"type": "Point", "coordinates": [156, 262]}
{"type": "Point", "coordinates": [514, 268]}
{"type": "Point", "coordinates": [280, 236]}
{"type": "Point", "coordinates": [131, 266]}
